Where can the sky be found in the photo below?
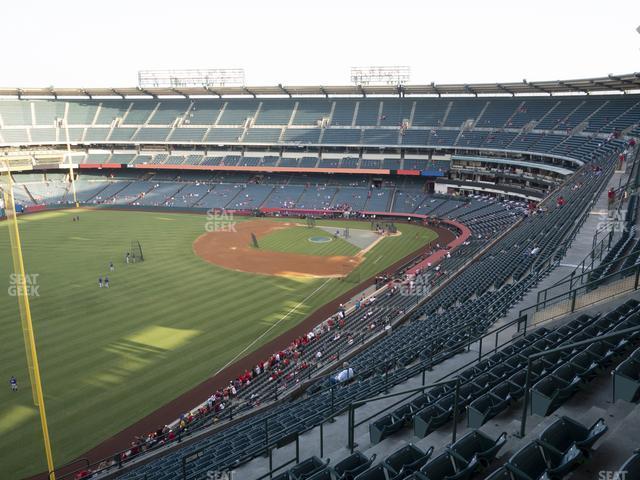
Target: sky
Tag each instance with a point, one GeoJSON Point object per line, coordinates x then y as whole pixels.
{"type": "Point", "coordinates": [91, 43]}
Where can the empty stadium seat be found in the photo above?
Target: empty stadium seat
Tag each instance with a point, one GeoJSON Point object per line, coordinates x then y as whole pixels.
{"type": "Point", "coordinates": [479, 445]}
{"type": "Point", "coordinates": [500, 474]}
{"type": "Point", "coordinates": [551, 392]}
{"type": "Point", "coordinates": [485, 408]}
{"type": "Point", "coordinates": [383, 427]}
{"type": "Point", "coordinates": [532, 462]}
{"type": "Point", "coordinates": [564, 433]}
{"type": "Point", "coordinates": [430, 418]}
{"type": "Point", "coordinates": [408, 459]}
{"type": "Point", "coordinates": [446, 466]}
{"type": "Point", "coordinates": [352, 465]}
{"type": "Point", "coordinates": [307, 468]}
{"type": "Point", "coordinates": [376, 473]}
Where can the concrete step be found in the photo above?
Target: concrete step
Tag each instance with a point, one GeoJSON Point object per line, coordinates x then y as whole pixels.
{"type": "Point", "coordinates": [616, 446]}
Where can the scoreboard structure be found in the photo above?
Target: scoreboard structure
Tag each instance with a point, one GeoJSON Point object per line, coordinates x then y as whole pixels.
{"type": "Point", "coordinates": [221, 77]}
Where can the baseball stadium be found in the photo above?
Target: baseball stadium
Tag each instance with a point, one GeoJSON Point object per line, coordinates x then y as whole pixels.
{"type": "Point", "coordinates": [371, 281]}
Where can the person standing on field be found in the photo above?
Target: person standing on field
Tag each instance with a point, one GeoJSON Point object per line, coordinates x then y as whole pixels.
{"type": "Point", "coordinates": [14, 384]}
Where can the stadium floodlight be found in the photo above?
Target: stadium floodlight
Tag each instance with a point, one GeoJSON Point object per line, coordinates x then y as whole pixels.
{"type": "Point", "coordinates": [397, 75]}
{"type": "Point", "coordinates": [219, 77]}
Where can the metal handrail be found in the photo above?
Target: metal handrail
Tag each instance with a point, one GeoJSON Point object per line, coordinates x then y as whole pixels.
{"type": "Point", "coordinates": [576, 279]}
{"type": "Point", "coordinates": [535, 356]}
{"type": "Point", "coordinates": [352, 424]}
{"type": "Point", "coordinates": [84, 460]}
{"type": "Point", "coordinates": [410, 392]}
{"type": "Point", "coordinates": [572, 293]}
{"type": "Point", "coordinates": [598, 244]}
{"type": "Point", "coordinates": [178, 439]}
{"type": "Point", "coordinates": [497, 331]}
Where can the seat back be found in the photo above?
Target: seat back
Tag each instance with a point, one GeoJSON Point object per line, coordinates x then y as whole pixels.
{"type": "Point", "coordinates": [376, 473]}
{"type": "Point", "coordinates": [528, 460]}
{"type": "Point", "coordinates": [558, 435]}
{"type": "Point", "coordinates": [353, 464]}
{"type": "Point", "coordinates": [441, 466]}
{"type": "Point", "coordinates": [407, 455]}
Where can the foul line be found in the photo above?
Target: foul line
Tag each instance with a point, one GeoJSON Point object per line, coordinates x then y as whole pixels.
{"type": "Point", "coordinates": [272, 327]}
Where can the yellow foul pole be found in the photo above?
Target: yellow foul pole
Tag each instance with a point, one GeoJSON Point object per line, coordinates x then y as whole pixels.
{"type": "Point", "coordinates": [22, 292]}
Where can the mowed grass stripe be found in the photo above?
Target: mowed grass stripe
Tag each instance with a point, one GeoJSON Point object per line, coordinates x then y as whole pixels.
{"type": "Point", "coordinates": [96, 380]}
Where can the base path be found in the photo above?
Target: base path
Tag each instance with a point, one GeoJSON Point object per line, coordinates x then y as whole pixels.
{"type": "Point", "coordinates": [233, 251]}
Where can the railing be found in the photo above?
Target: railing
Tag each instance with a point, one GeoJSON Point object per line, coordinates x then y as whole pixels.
{"type": "Point", "coordinates": [294, 437]}
{"type": "Point", "coordinates": [598, 250]}
{"type": "Point", "coordinates": [123, 457]}
{"type": "Point", "coordinates": [608, 235]}
{"type": "Point", "coordinates": [580, 291]}
{"type": "Point", "coordinates": [63, 467]}
{"type": "Point", "coordinates": [204, 420]}
{"type": "Point", "coordinates": [295, 460]}
{"type": "Point", "coordinates": [549, 264]}
{"type": "Point", "coordinates": [535, 356]}
{"type": "Point", "coordinates": [426, 366]}
{"type": "Point", "coordinates": [352, 425]}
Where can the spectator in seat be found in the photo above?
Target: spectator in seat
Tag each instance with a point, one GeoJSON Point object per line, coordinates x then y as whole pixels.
{"type": "Point", "coordinates": [344, 375]}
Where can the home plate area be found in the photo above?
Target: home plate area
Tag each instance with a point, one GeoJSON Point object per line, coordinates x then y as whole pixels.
{"type": "Point", "coordinates": [363, 239]}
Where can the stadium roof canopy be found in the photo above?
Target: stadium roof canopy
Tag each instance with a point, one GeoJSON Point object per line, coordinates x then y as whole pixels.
{"type": "Point", "coordinates": [609, 84]}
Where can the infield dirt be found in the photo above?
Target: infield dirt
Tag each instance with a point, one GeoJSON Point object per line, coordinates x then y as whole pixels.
{"type": "Point", "coordinates": [232, 250]}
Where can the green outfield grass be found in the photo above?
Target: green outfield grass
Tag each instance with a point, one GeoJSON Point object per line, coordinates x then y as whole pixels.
{"type": "Point", "coordinates": [296, 240]}
{"type": "Point", "coordinates": [109, 357]}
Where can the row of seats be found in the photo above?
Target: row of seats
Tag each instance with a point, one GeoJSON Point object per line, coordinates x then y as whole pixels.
{"type": "Point", "coordinates": [492, 385]}
{"type": "Point", "coordinates": [560, 448]}
{"type": "Point", "coordinates": [101, 189]}
{"type": "Point", "coordinates": [460, 460]}
{"type": "Point", "coordinates": [581, 365]}
{"type": "Point", "coordinates": [603, 113]}
{"type": "Point", "coordinates": [577, 145]}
